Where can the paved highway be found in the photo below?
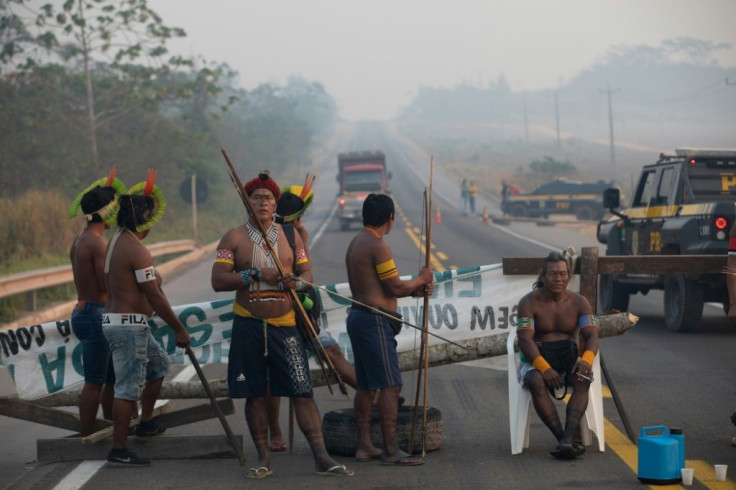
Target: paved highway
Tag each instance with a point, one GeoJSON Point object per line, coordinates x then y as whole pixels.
{"type": "Point", "coordinates": [661, 378]}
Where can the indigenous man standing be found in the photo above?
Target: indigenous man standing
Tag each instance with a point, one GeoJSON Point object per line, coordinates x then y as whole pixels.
{"type": "Point", "coordinates": [266, 349]}
{"type": "Point", "coordinates": [375, 283]}
{"type": "Point", "coordinates": [135, 294]}
{"type": "Point", "coordinates": [549, 318]}
{"type": "Point", "coordinates": [99, 204]}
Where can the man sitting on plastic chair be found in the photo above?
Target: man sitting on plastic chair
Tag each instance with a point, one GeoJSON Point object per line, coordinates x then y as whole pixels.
{"type": "Point", "coordinates": [548, 319]}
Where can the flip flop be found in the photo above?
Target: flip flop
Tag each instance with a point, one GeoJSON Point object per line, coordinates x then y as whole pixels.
{"type": "Point", "coordinates": [564, 452]}
{"type": "Point", "coordinates": [259, 473]}
{"type": "Point", "coordinates": [277, 447]}
{"type": "Point", "coordinates": [407, 460]}
{"type": "Point", "coordinates": [337, 470]}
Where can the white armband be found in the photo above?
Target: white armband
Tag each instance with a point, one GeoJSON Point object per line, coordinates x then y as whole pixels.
{"type": "Point", "coordinates": [145, 275]}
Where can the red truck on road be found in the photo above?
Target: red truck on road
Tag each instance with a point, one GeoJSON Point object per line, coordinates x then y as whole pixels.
{"type": "Point", "coordinates": [359, 173]}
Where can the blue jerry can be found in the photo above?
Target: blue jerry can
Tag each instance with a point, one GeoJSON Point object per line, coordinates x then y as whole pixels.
{"type": "Point", "coordinates": [661, 455]}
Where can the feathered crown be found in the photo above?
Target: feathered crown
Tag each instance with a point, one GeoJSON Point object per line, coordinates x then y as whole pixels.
{"type": "Point", "coordinates": [149, 188]}
{"type": "Point", "coordinates": [294, 201]}
{"type": "Point", "coordinates": [107, 212]}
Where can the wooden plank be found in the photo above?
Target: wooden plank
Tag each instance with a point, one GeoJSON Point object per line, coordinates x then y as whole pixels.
{"type": "Point", "coordinates": [626, 264]}
{"type": "Point", "coordinates": [170, 418]}
{"type": "Point", "coordinates": [107, 431]}
{"type": "Point", "coordinates": [589, 275]}
{"type": "Point", "coordinates": [160, 447]}
{"type": "Point", "coordinates": [25, 410]}
{"type": "Point", "coordinates": [196, 413]}
{"type": "Point", "coordinates": [661, 264]}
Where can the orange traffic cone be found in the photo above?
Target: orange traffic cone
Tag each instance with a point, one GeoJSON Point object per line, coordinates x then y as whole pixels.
{"type": "Point", "coordinates": [437, 215]}
{"type": "Point", "coordinates": [485, 216]}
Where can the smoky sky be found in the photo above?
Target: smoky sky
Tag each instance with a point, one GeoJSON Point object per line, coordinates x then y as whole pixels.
{"type": "Point", "coordinates": [373, 55]}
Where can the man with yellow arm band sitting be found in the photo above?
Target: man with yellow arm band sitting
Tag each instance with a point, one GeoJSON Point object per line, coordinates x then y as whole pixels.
{"type": "Point", "coordinates": [374, 282]}
{"type": "Point", "coordinates": [265, 347]}
{"type": "Point", "coordinates": [549, 318]}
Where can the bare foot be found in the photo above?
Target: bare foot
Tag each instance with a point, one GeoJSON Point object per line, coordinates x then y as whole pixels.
{"type": "Point", "coordinates": [363, 455]}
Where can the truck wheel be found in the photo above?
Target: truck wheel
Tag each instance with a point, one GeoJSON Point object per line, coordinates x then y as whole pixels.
{"type": "Point", "coordinates": [344, 225]}
{"type": "Point", "coordinates": [683, 303]}
{"type": "Point", "coordinates": [341, 434]}
{"type": "Point", "coordinates": [584, 212]}
{"type": "Point", "coordinates": [612, 295]}
{"type": "Point", "coordinates": [519, 211]}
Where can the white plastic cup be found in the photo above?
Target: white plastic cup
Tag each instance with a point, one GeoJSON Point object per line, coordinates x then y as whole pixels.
{"type": "Point", "coordinates": [687, 476]}
{"type": "Point", "coordinates": [721, 471]}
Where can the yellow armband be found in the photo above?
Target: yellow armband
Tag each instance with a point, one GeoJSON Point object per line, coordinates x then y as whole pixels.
{"type": "Point", "coordinates": [541, 364]}
{"type": "Point", "coordinates": [588, 356]}
{"type": "Point", "coordinates": [386, 270]}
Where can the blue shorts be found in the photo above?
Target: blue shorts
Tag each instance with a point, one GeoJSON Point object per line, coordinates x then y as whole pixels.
{"type": "Point", "coordinates": [285, 367]}
{"type": "Point", "coordinates": [136, 355]}
{"type": "Point", "coordinates": [96, 359]}
{"type": "Point", "coordinates": [374, 350]}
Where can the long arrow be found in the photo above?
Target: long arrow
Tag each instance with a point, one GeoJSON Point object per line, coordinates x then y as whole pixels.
{"type": "Point", "coordinates": [382, 313]}
{"type": "Point", "coordinates": [311, 333]}
{"type": "Point", "coordinates": [423, 368]}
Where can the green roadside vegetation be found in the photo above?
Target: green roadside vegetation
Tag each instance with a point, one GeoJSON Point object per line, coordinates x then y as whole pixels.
{"type": "Point", "coordinates": [76, 102]}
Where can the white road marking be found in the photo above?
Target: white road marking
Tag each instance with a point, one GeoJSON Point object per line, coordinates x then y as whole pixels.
{"type": "Point", "coordinates": [80, 475]}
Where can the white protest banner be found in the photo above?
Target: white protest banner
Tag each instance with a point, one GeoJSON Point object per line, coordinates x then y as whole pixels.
{"type": "Point", "coordinates": [467, 303]}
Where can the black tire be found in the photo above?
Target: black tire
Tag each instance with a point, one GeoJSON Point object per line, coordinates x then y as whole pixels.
{"type": "Point", "coordinates": [341, 434]}
{"type": "Point", "coordinates": [683, 303]}
{"type": "Point", "coordinates": [612, 295]}
{"type": "Point", "coordinates": [584, 212]}
{"type": "Point", "coordinates": [344, 225]}
{"type": "Point", "coordinates": [519, 211]}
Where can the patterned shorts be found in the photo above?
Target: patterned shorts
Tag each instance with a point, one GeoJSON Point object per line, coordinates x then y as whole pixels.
{"type": "Point", "coordinates": [255, 360]}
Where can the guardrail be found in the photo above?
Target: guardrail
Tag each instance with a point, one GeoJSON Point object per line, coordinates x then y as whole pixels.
{"type": "Point", "coordinates": [53, 276]}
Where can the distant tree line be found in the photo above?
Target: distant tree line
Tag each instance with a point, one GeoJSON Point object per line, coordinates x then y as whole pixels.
{"type": "Point", "coordinates": [679, 78]}
{"type": "Point", "coordinates": [85, 85]}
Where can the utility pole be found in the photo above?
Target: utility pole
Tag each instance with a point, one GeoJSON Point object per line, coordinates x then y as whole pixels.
{"type": "Point", "coordinates": [557, 119]}
{"type": "Point", "coordinates": [526, 122]}
{"type": "Point", "coordinates": [610, 121]}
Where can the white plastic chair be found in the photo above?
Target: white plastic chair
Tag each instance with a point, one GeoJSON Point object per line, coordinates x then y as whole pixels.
{"type": "Point", "coordinates": [520, 405]}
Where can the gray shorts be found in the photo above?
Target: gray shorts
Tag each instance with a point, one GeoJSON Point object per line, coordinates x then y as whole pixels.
{"type": "Point", "coordinates": [136, 355]}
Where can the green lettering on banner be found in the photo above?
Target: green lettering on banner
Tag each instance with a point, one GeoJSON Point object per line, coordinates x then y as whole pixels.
{"type": "Point", "coordinates": [164, 335]}
{"type": "Point", "coordinates": [217, 354]}
{"type": "Point", "coordinates": [334, 297]}
{"type": "Point", "coordinates": [444, 278]}
{"type": "Point", "coordinates": [477, 287]}
{"type": "Point", "coordinates": [77, 362]}
{"type": "Point", "coordinates": [11, 371]}
{"type": "Point", "coordinates": [48, 368]}
{"type": "Point", "coordinates": [204, 328]}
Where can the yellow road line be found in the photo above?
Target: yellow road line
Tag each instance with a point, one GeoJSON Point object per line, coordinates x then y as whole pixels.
{"type": "Point", "coordinates": [615, 440]}
{"type": "Point", "coordinates": [432, 257]}
{"type": "Point", "coordinates": [628, 453]}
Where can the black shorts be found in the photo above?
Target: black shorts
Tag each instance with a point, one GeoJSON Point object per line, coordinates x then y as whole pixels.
{"type": "Point", "coordinates": [285, 367]}
{"type": "Point", "coordinates": [562, 355]}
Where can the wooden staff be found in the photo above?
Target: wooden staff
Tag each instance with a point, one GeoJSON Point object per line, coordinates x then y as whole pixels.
{"type": "Point", "coordinates": [238, 448]}
{"type": "Point", "coordinates": [311, 334]}
{"type": "Point", "coordinates": [424, 345]}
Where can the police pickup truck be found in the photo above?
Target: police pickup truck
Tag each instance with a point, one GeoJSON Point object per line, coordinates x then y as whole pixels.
{"type": "Point", "coordinates": [582, 199]}
{"type": "Point", "coordinates": [682, 205]}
